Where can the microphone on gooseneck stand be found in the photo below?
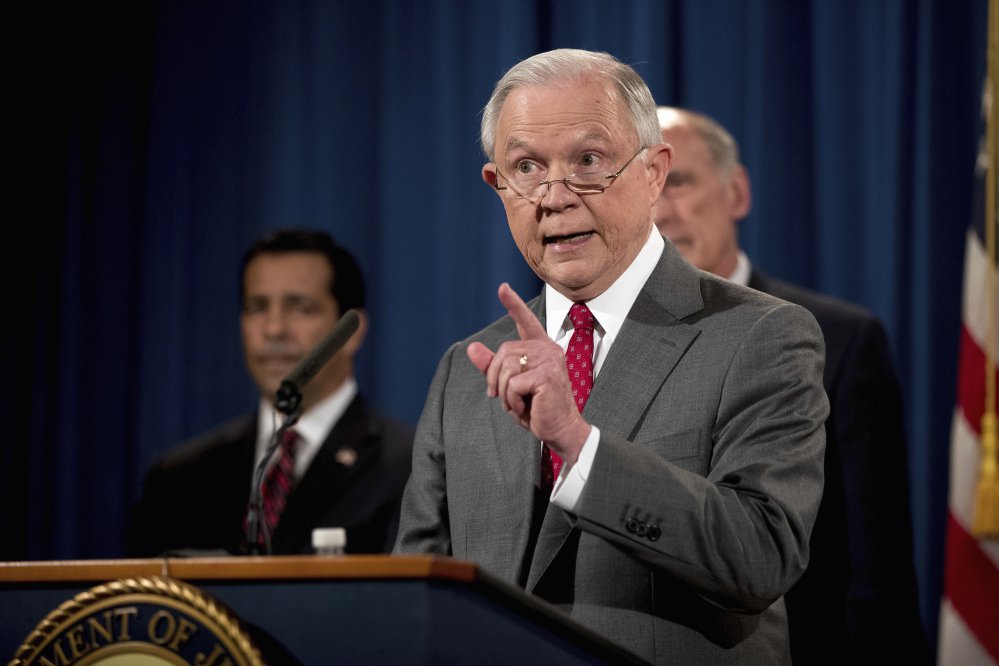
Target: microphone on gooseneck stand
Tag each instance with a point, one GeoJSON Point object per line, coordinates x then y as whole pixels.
{"type": "Point", "coordinates": [289, 402]}
{"type": "Point", "coordinates": [289, 395]}
{"type": "Point", "coordinates": [256, 529]}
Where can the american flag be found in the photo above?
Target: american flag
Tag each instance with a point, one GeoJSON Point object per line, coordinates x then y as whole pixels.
{"type": "Point", "coordinates": [969, 613]}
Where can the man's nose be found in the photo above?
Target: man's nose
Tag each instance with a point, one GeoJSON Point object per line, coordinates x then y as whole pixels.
{"type": "Point", "coordinates": [275, 323]}
{"type": "Point", "coordinates": [555, 194]}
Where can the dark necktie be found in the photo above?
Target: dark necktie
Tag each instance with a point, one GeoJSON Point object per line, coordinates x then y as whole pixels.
{"type": "Point", "coordinates": [277, 484]}
{"type": "Point", "coordinates": [579, 365]}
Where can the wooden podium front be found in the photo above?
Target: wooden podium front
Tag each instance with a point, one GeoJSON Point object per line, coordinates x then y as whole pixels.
{"type": "Point", "coordinates": [296, 610]}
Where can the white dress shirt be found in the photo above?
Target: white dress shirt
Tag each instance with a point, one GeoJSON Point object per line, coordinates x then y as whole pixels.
{"type": "Point", "coordinates": [609, 309]}
{"type": "Point", "coordinates": [313, 427]}
{"type": "Point", "coordinates": [742, 270]}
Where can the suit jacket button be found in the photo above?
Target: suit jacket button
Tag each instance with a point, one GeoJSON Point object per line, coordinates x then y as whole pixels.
{"type": "Point", "coordinates": [654, 533]}
{"type": "Point", "coordinates": [631, 525]}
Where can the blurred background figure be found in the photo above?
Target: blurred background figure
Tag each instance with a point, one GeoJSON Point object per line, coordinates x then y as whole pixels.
{"type": "Point", "coordinates": [857, 600]}
{"type": "Point", "coordinates": [346, 466]}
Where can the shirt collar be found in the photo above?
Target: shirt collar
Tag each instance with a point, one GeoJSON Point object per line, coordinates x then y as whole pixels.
{"type": "Point", "coordinates": [610, 308]}
{"type": "Point", "coordinates": [313, 427]}
{"type": "Point", "coordinates": [742, 270]}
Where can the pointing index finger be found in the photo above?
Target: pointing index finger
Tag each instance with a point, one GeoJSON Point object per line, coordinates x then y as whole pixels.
{"type": "Point", "coordinates": [528, 325]}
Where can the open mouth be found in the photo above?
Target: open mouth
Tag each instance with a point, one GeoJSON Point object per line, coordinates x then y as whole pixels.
{"type": "Point", "coordinates": [568, 238]}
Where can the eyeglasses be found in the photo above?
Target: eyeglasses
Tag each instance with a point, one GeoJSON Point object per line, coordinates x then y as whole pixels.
{"type": "Point", "coordinates": [526, 185]}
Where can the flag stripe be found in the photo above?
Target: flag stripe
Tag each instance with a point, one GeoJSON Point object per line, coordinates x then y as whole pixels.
{"type": "Point", "coordinates": [958, 646]}
{"type": "Point", "coordinates": [970, 609]}
{"type": "Point", "coordinates": [974, 314]}
{"type": "Point", "coordinates": [971, 382]}
{"type": "Point", "coordinates": [965, 458]}
{"type": "Point", "coordinates": [965, 455]}
{"type": "Point", "coordinates": [972, 582]}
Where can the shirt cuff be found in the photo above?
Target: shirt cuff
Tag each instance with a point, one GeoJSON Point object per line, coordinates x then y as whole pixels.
{"type": "Point", "coordinates": [569, 485]}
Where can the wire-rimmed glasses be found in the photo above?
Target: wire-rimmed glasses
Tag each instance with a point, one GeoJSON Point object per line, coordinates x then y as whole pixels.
{"type": "Point", "coordinates": [528, 185]}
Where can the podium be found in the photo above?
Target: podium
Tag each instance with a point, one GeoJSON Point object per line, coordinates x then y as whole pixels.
{"type": "Point", "coordinates": [317, 610]}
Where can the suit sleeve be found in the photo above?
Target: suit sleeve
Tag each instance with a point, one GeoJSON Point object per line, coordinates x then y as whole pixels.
{"type": "Point", "coordinates": [739, 534]}
{"type": "Point", "coordinates": [143, 539]}
{"type": "Point", "coordinates": [881, 600]}
{"type": "Point", "coordinates": [423, 522]}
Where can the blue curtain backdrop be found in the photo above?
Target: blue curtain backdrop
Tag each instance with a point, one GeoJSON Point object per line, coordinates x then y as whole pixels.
{"type": "Point", "coordinates": [160, 138]}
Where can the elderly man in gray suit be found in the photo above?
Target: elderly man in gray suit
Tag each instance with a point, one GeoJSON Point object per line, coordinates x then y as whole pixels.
{"type": "Point", "coordinates": [678, 416]}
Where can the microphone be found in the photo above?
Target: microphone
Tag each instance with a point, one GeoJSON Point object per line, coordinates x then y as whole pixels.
{"type": "Point", "coordinates": [289, 394]}
{"type": "Point", "coordinates": [289, 401]}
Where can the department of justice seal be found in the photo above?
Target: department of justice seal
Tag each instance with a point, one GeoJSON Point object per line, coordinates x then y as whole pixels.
{"type": "Point", "coordinates": [151, 621]}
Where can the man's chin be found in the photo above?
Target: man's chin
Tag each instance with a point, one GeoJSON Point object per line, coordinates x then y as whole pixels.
{"type": "Point", "coordinates": [273, 373]}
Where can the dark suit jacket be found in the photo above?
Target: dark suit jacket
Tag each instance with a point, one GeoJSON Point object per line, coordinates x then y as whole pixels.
{"type": "Point", "coordinates": [696, 513]}
{"type": "Point", "coordinates": [196, 496]}
{"type": "Point", "coordinates": [857, 599]}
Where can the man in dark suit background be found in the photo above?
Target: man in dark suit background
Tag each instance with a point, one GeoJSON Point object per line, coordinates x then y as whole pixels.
{"type": "Point", "coordinates": [857, 599]}
{"type": "Point", "coordinates": [350, 463]}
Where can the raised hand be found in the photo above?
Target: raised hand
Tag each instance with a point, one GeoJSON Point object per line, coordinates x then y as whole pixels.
{"type": "Point", "coordinates": [529, 378]}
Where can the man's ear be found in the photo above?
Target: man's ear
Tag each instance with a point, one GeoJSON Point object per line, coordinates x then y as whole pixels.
{"type": "Point", "coordinates": [489, 174]}
{"type": "Point", "coordinates": [740, 193]}
{"type": "Point", "coordinates": [353, 345]}
{"type": "Point", "coordinates": [658, 160]}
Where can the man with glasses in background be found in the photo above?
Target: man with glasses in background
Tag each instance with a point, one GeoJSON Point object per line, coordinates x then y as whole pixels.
{"type": "Point", "coordinates": [640, 445]}
{"type": "Point", "coordinates": [857, 600]}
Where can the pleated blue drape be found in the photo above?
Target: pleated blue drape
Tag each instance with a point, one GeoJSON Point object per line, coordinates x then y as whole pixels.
{"type": "Point", "coordinates": [163, 138]}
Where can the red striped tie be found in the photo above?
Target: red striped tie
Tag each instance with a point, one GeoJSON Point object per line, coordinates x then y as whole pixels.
{"type": "Point", "coordinates": [277, 484]}
{"type": "Point", "coordinates": [579, 365]}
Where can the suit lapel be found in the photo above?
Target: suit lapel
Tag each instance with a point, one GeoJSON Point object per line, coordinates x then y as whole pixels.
{"type": "Point", "coordinates": [515, 450]}
{"type": "Point", "coordinates": [555, 530]}
{"type": "Point", "coordinates": [650, 344]}
{"type": "Point", "coordinates": [232, 490]}
{"type": "Point", "coordinates": [515, 446]}
{"type": "Point", "coordinates": [327, 480]}
{"type": "Point", "coordinates": [519, 456]}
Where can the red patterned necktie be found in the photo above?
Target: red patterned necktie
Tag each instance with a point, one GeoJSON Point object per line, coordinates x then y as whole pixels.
{"type": "Point", "coordinates": [579, 365]}
{"type": "Point", "coordinates": [277, 484]}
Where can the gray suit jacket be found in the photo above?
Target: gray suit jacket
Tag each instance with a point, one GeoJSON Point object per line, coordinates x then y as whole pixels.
{"type": "Point", "coordinates": [696, 515]}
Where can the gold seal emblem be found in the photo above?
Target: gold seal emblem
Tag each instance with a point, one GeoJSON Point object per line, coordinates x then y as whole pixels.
{"type": "Point", "coordinates": [139, 621]}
